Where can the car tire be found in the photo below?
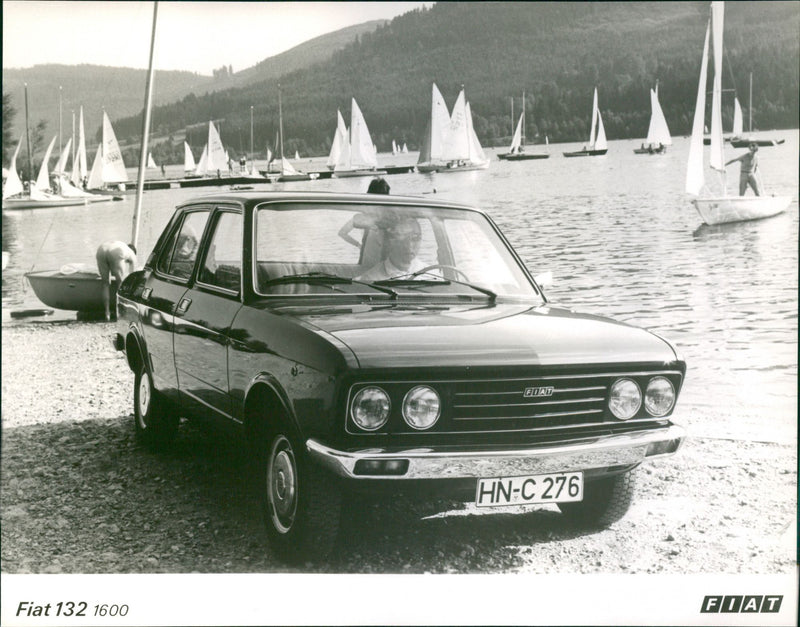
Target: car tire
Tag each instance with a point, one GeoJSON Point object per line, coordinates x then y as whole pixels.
{"type": "Point", "coordinates": [605, 501]}
{"type": "Point", "coordinates": [301, 502]}
{"type": "Point", "coordinates": [155, 425]}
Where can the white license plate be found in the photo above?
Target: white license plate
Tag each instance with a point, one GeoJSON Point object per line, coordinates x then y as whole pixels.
{"type": "Point", "coordinates": [561, 487]}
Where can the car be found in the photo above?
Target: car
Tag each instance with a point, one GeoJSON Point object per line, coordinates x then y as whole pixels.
{"type": "Point", "coordinates": [365, 343]}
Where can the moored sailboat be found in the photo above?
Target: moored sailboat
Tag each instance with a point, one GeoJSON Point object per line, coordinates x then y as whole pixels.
{"type": "Point", "coordinates": [739, 139]}
{"type": "Point", "coordinates": [597, 136]}
{"type": "Point", "coordinates": [719, 207]}
{"type": "Point", "coordinates": [516, 151]}
{"type": "Point", "coordinates": [450, 143]}
{"type": "Point", "coordinates": [108, 168]}
{"type": "Point", "coordinates": [357, 157]}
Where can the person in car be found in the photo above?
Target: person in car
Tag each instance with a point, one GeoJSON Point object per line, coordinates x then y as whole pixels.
{"type": "Point", "coordinates": [401, 244]}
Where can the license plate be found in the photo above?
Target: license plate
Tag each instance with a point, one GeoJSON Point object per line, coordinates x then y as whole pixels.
{"type": "Point", "coordinates": [561, 487]}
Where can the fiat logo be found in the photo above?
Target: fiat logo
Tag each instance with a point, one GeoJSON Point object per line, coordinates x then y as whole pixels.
{"type": "Point", "coordinates": [539, 391]}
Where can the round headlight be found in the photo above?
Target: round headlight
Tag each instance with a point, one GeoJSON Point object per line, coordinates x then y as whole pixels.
{"type": "Point", "coordinates": [626, 399]}
{"type": "Point", "coordinates": [659, 396]}
{"type": "Point", "coordinates": [421, 407]}
{"type": "Point", "coordinates": [370, 408]}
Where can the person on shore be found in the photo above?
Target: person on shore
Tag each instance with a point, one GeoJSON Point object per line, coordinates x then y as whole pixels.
{"type": "Point", "coordinates": [117, 259]}
{"type": "Point", "coordinates": [401, 242]}
{"type": "Point", "coordinates": [747, 174]}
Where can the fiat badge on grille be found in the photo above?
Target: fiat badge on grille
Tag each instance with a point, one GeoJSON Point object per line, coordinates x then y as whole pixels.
{"type": "Point", "coordinates": [540, 391]}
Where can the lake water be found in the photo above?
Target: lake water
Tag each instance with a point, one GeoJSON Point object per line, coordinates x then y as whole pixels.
{"type": "Point", "coordinates": [618, 234]}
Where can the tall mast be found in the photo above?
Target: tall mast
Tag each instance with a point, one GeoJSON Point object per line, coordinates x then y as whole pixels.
{"type": "Point", "coordinates": [280, 119]}
{"type": "Point", "coordinates": [523, 120]}
{"type": "Point", "coordinates": [512, 118]}
{"type": "Point", "coordinates": [750, 108]}
{"type": "Point", "coordinates": [148, 101]}
{"type": "Point", "coordinates": [28, 136]}
{"type": "Point", "coordinates": [251, 136]}
{"type": "Point", "coordinates": [59, 119]}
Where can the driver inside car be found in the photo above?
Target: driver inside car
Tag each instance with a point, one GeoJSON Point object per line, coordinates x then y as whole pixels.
{"type": "Point", "coordinates": [401, 245]}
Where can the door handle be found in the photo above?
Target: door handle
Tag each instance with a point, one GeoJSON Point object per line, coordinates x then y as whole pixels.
{"type": "Point", "coordinates": [146, 293]}
{"type": "Point", "coordinates": [183, 306]}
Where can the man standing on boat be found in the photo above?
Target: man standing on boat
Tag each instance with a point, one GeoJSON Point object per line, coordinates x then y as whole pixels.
{"type": "Point", "coordinates": [747, 175]}
{"type": "Point", "coordinates": [114, 258]}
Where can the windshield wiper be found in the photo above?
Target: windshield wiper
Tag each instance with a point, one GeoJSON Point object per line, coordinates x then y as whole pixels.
{"type": "Point", "coordinates": [323, 278]}
{"type": "Point", "coordinates": [412, 283]}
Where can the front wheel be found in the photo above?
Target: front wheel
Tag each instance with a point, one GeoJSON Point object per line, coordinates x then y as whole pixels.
{"type": "Point", "coordinates": [155, 424]}
{"type": "Point", "coordinates": [302, 503]}
{"type": "Point", "coordinates": [605, 501]}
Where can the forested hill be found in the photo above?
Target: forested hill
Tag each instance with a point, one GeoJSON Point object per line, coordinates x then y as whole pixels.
{"type": "Point", "coordinates": [556, 52]}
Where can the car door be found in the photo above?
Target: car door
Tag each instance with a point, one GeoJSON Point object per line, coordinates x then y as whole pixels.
{"type": "Point", "coordinates": [164, 288]}
{"type": "Point", "coordinates": [205, 313]}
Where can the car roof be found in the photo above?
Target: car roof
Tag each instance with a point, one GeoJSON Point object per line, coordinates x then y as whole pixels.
{"type": "Point", "coordinates": [251, 198]}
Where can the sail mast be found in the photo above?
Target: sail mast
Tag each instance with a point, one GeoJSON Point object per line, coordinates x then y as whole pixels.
{"type": "Point", "coordinates": [280, 120]}
{"type": "Point", "coordinates": [251, 137]}
{"type": "Point", "coordinates": [28, 137]}
{"type": "Point", "coordinates": [148, 100]}
{"type": "Point", "coordinates": [522, 145]}
{"type": "Point", "coordinates": [750, 107]}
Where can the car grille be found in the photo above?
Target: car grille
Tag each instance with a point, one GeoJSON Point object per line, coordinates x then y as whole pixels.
{"type": "Point", "coordinates": [538, 403]}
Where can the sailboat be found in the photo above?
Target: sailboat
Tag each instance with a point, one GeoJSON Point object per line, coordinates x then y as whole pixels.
{"type": "Point", "coordinates": [597, 136]}
{"type": "Point", "coordinates": [213, 161]}
{"type": "Point", "coordinates": [658, 137]}
{"type": "Point", "coordinates": [339, 143]}
{"type": "Point", "coordinates": [718, 208]}
{"type": "Point", "coordinates": [189, 166]}
{"type": "Point", "coordinates": [516, 151]}
{"type": "Point", "coordinates": [287, 170]}
{"type": "Point", "coordinates": [739, 140]}
{"type": "Point", "coordinates": [108, 167]}
{"type": "Point", "coordinates": [357, 157]}
{"type": "Point", "coordinates": [80, 168]}
{"type": "Point", "coordinates": [450, 143]}
{"type": "Point", "coordinates": [151, 163]}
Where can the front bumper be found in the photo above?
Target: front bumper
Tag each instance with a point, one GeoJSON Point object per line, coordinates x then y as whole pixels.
{"type": "Point", "coordinates": [597, 454]}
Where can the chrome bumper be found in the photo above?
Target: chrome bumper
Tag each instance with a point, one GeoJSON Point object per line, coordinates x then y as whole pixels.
{"type": "Point", "coordinates": [453, 463]}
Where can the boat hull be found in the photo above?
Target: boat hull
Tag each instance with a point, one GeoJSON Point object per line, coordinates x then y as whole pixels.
{"type": "Point", "coordinates": [445, 167]}
{"type": "Point", "coordinates": [586, 153]}
{"type": "Point", "coordinates": [79, 291]}
{"type": "Point", "coordinates": [342, 174]}
{"type": "Point", "coordinates": [724, 209]}
{"type": "Point", "coordinates": [507, 156]}
{"type": "Point", "coordinates": [27, 203]}
{"type": "Point", "coordinates": [743, 142]}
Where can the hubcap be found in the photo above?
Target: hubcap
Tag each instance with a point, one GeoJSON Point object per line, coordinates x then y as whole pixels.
{"type": "Point", "coordinates": [144, 398]}
{"type": "Point", "coordinates": [282, 484]}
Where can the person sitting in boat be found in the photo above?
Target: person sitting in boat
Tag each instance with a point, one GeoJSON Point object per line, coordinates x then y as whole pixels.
{"type": "Point", "coordinates": [747, 174]}
{"type": "Point", "coordinates": [117, 259]}
{"type": "Point", "coordinates": [401, 240]}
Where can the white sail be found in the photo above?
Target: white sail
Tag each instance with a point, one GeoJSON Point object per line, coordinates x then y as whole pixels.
{"type": "Point", "coordinates": [296, 155]}
{"type": "Point", "coordinates": [113, 165]}
{"type": "Point", "coordinates": [405, 149]}
{"type": "Point", "coordinates": [516, 141]}
{"type": "Point", "coordinates": [457, 142]}
{"type": "Point", "coordinates": [717, 158]}
{"type": "Point", "coordinates": [695, 176]}
{"type": "Point", "coordinates": [96, 175]}
{"type": "Point", "coordinates": [61, 165]}
{"type": "Point", "coordinates": [188, 158]}
{"type": "Point", "coordinates": [286, 168]}
{"type": "Point", "coordinates": [394, 147]}
{"type": "Point", "coordinates": [216, 158]}
{"type": "Point", "coordinates": [150, 161]}
{"type": "Point", "coordinates": [13, 184]}
{"type": "Point", "coordinates": [440, 122]}
{"type": "Point", "coordinates": [362, 152]}
{"type": "Point", "coordinates": [600, 143]}
{"type": "Point", "coordinates": [202, 165]}
{"type": "Point", "coordinates": [658, 132]}
{"type": "Point", "coordinates": [79, 165]}
{"type": "Point", "coordinates": [43, 180]}
{"type": "Point", "coordinates": [339, 138]}
{"type": "Point", "coordinates": [595, 111]}
{"type": "Point", "coordinates": [476, 154]}
{"type": "Point", "coordinates": [737, 118]}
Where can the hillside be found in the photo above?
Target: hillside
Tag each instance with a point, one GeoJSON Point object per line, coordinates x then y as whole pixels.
{"type": "Point", "coordinates": [121, 90]}
{"type": "Point", "coordinates": [556, 52]}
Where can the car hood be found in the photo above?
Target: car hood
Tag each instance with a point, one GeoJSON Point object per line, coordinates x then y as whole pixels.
{"type": "Point", "coordinates": [413, 335]}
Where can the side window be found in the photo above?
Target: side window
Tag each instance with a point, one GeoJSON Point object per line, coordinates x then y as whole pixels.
{"type": "Point", "coordinates": [222, 265]}
{"type": "Point", "coordinates": [180, 252]}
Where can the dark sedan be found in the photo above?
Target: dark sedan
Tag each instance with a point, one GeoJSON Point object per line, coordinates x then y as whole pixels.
{"type": "Point", "coordinates": [370, 342]}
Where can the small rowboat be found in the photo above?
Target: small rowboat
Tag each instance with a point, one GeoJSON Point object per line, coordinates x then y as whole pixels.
{"type": "Point", "coordinates": [70, 289]}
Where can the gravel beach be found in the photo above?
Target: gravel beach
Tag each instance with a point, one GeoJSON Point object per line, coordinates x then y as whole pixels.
{"type": "Point", "coordinates": [80, 495]}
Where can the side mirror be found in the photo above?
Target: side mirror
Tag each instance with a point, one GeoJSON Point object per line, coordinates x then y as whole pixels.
{"type": "Point", "coordinates": [545, 279]}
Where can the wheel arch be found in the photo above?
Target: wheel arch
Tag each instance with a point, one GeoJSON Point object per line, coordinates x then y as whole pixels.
{"type": "Point", "coordinates": [135, 351]}
{"type": "Point", "coordinates": [265, 403]}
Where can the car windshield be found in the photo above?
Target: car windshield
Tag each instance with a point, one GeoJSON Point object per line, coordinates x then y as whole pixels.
{"type": "Point", "coordinates": [411, 250]}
